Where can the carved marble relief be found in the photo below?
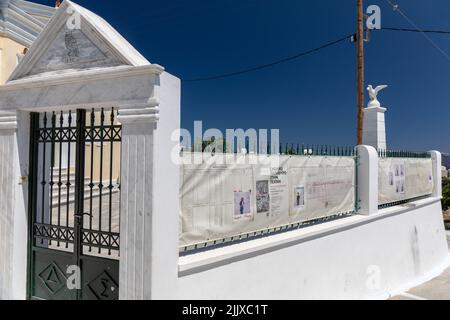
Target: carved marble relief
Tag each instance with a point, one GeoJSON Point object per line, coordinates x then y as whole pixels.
{"type": "Point", "coordinates": [73, 49]}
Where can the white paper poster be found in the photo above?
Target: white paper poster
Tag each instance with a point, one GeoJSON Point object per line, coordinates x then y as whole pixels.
{"type": "Point", "coordinates": [399, 178]}
{"type": "Point", "coordinates": [242, 205]}
{"type": "Point", "coordinates": [279, 197]}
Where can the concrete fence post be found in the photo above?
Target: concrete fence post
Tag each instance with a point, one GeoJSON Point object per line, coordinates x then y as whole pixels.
{"type": "Point", "coordinates": [367, 180]}
{"type": "Point", "coordinates": [437, 173]}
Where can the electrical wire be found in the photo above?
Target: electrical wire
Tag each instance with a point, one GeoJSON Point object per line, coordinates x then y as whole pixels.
{"type": "Point", "coordinates": [329, 44]}
{"type": "Point", "coordinates": [268, 65]}
{"type": "Point", "coordinates": [415, 30]}
{"type": "Point", "coordinates": [397, 9]}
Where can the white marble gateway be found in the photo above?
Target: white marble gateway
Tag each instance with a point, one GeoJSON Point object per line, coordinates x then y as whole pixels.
{"type": "Point", "coordinates": [92, 66]}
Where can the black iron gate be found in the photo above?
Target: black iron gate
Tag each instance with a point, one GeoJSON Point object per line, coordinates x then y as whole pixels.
{"type": "Point", "coordinates": [74, 205]}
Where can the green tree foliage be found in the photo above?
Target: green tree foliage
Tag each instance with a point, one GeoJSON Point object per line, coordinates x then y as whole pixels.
{"type": "Point", "coordinates": [446, 194]}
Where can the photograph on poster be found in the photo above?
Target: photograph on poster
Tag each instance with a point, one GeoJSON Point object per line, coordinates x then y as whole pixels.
{"type": "Point", "coordinates": [299, 197]}
{"type": "Point", "coordinates": [397, 177]}
{"type": "Point", "coordinates": [242, 205]}
{"type": "Point", "coordinates": [391, 178]}
{"type": "Point", "coordinates": [262, 196]}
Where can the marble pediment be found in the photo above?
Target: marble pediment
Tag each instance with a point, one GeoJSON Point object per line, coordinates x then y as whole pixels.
{"type": "Point", "coordinates": [73, 49]}
{"type": "Point", "coordinates": [76, 39]}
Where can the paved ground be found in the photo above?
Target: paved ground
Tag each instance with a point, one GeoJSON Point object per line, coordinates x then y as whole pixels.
{"type": "Point", "coordinates": [436, 289]}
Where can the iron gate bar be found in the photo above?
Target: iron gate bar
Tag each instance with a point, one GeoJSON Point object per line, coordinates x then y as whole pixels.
{"type": "Point", "coordinates": [111, 187]}
{"type": "Point", "coordinates": [79, 186]}
{"type": "Point", "coordinates": [52, 166]}
{"type": "Point", "coordinates": [61, 123]}
{"type": "Point", "coordinates": [91, 184]}
{"type": "Point", "coordinates": [100, 185]}
{"type": "Point", "coordinates": [32, 197]}
{"type": "Point", "coordinates": [68, 184]}
{"type": "Point", "coordinates": [43, 183]}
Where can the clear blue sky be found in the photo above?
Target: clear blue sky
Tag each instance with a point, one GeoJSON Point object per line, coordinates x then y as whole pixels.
{"type": "Point", "coordinates": [313, 99]}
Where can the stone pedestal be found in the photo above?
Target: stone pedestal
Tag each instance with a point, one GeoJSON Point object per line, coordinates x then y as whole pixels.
{"type": "Point", "coordinates": [374, 133]}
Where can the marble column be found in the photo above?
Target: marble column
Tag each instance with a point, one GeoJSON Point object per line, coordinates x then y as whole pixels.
{"type": "Point", "coordinates": [14, 147]}
{"type": "Point", "coordinates": [8, 126]}
{"type": "Point", "coordinates": [138, 126]}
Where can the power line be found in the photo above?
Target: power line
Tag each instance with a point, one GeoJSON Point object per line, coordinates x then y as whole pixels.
{"type": "Point", "coordinates": [302, 54]}
{"type": "Point", "coordinates": [268, 65]}
{"type": "Point", "coordinates": [415, 30]}
{"type": "Point", "coordinates": [397, 9]}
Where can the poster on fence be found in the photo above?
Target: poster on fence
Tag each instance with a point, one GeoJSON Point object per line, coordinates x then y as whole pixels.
{"type": "Point", "coordinates": [228, 200]}
{"type": "Point", "coordinates": [262, 196]}
{"type": "Point", "coordinates": [242, 208]}
{"type": "Point", "coordinates": [278, 191]}
{"type": "Point", "coordinates": [404, 178]}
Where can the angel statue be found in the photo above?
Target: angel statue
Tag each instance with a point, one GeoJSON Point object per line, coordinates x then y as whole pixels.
{"type": "Point", "coordinates": [373, 93]}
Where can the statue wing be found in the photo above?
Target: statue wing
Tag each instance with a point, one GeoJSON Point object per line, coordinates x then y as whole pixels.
{"type": "Point", "coordinates": [379, 88]}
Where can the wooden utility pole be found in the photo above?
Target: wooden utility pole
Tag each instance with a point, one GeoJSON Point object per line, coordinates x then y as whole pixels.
{"type": "Point", "coordinates": [360, 87]}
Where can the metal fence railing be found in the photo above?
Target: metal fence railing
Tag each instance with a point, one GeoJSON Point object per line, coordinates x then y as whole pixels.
{"type": "Point", "coordinates": [240, 238]}
{"type": "Point", "coordinates": [382, 153]}
{"type": "Point", "coordinates": [282, 149]}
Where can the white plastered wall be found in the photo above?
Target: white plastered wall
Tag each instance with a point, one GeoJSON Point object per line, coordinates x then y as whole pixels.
{"type": "Point", "coordinates": [374, 255]}
{"type": "Point", "coordinates": [404, 246]}
{"type": "Point", "coordinates": [166, 191]}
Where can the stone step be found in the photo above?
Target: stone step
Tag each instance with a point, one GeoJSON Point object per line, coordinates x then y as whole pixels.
{"type": "Point", "coordinates": [87, 191]}
{"type": "Point", "coordinates": [87, 195]}
{"type": "Point", "coordinates": [87, 180]}
{"type": "Point", "coordinates": [87, 188]}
